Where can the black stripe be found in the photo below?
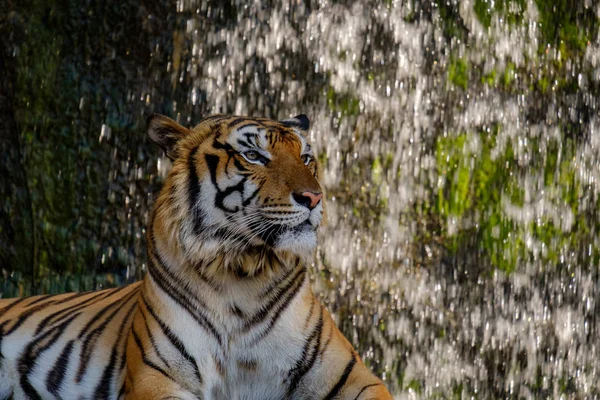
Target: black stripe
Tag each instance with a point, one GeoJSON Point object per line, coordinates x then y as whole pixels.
{"type": "Point", "coordinates": [122, 390]}
{"type": "Point", "coordinates": [229, 158]}
{"type": "Point", "coordinates": [164, 279]}
{"type": "Point", "coordinates": [223, 146]}
{"type": "Point", "coordinates": [38, 299]}
{"type": "Point", "coordinates": [235, 310]}
{"type": "Point", "coordinates": [88, 345]}
{"type": "Point", "coordinates": [145, 359]}
{"type": "Point", "coordinates": [281, 307]}
{"type": "Point", "coordinates": [326, 344]}
{"type": "Point", "coordinates": [61, 301]}
{"type": "Point", "coordinates": [237, 121]}
{"type": "Point", "coordinates": [194, 193]}
{"type": "Point", "coordinates": [239, 271]}
{"type": "Point", "coordinates": [153, 342]}
{"type": "Point", "coordinates": [308, 357]}
{"type": "Point", "coordinates": [173, 281]}
{"type": "Point", "coordinates": [244, 143]}
{"type": "Point", "coordinates": [124, 342]}
{"type": "Point", "coordinates": [252, 196]}
{"type": "Point", "coordinates": [103, 389]}
{"type": "Point", "coordinates": [275, 284]}
{"type": "Point", "coordinates": [105, 309]}
{"type": "Point", "coordinates": [11, 305]}
{"type": "Point", "coordinates": [342, 381]}
{"type": "Point", "coordinates": [252, 138]}
{"type": "Point", "coordinates": [238, 187]}
{"type": "Point", "coordinates": [33, 351]}
{"type": "Point", "coordinates": [63, 313]}
{"type": "Point", "coordinates": [365, 388]}
{"type": "Point", "coordinates": [57, 373]}
{"type": "Point", "coordinates": [207, 279]}
{"type": "Point", "coordinates": [25, 316]}
{"type": "Point", "coordinates": [274, 299]}
{"type": "Point", "coordinates": [212, 161]}
{"type": "Point", "coordinates": [242, 170]}
{"type": "Point", "coordinates": [172, 338]}
{"type": "Point", "coordinates": [173, 292]}
{"type": "Point", "coordinates": [239, 128]}
{"type": "Point", "coordinates": [310, 314]}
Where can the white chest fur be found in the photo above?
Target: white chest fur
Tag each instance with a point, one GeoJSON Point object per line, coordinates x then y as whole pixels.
{"type": "Point", "coordinates": [252, 346]}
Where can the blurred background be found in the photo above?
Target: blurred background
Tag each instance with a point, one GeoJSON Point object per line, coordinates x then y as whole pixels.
{"type": "Point", "coordinates": [459, 141]}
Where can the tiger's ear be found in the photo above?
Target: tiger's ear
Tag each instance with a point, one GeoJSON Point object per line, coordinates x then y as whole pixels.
{"type": "Point", "coordinates": [299, 121]}
{"type": "Point", "coordinates": [166, 133]}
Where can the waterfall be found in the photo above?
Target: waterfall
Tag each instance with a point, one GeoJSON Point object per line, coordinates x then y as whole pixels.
{"type": "Point", "coordinates": [459, 142]}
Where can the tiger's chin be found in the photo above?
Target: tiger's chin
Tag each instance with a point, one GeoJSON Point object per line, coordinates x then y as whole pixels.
{"type": "Point", "coordinates": [300, 240]}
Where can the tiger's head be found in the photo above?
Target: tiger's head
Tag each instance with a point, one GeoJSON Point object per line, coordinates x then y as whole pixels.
{"type": "Point", "coordinates": [238, 183]}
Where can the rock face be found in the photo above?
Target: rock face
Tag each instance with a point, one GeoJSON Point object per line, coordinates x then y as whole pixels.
{"type": "Point", "coordinates": [16, 238]}
{"type": "Point", "coordinates": [458, 140]}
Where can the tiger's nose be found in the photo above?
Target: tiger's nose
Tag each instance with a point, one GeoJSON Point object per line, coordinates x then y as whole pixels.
{"type": "Point", "coordinates": [308, 199]}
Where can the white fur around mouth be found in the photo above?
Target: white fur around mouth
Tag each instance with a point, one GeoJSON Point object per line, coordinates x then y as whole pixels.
{"type": "Point", "coordinates": [301, 241]}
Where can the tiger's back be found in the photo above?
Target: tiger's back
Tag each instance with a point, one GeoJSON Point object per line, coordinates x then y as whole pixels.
{"type": "Point", "coordinates": [65, 346]}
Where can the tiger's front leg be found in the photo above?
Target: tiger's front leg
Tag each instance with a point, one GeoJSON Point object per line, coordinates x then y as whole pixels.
{"type": "Point", "coordinates": [148, 385]}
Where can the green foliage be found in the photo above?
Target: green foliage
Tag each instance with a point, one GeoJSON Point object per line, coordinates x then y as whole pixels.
{"type": "Point", "coordinates": [346, 104]}
{"type": "Point", "coordinates": [483, 13]}
{"type": "Point", "coordinates": [458, 73]}
{"type": "Point", "coordinates": [490, 79]}
{"type": "Point", "coordinates": [453, 163]}
{"type": "Point", "coordinates": [376, 171]}
{"type": "Point", "coordinates": [450, 19]}
{"type": "Point", "coordinates": [478, 185]}
{"type": "Point", "coordinates": [415, 386]}
{"type": "Point", "coordinates": [567, 26]}
{"type": "Point", "coordinates": [474, 183]}
{"type": "Point", "coordinates": [509, 75]}
{"type": "Point", "coordinates": [510, 10]}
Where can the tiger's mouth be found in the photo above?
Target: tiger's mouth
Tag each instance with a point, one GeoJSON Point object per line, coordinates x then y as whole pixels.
{"type": "Point", "coordinates": [279, 228]}
{"type": "Point", "coordinates": [304, 226]}
{"type": "Point", "coordinates": [270, 232]}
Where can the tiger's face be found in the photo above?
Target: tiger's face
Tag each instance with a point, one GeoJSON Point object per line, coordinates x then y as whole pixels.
{"type": "Point", "coordinates": [239, 183]}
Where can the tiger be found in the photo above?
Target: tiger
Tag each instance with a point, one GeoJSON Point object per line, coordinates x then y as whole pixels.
{"type": "Point", "coordinates": [225, 309]}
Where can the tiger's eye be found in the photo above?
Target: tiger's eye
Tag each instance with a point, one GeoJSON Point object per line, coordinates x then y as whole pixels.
{"type": "Point", "coordinates": [251, 155]}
